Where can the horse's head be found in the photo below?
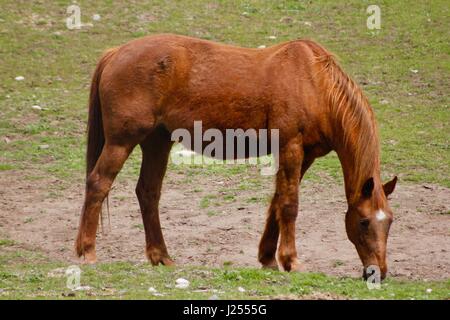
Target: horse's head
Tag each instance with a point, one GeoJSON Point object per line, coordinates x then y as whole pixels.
{"type": "Point", "coordinates": [368, 221]}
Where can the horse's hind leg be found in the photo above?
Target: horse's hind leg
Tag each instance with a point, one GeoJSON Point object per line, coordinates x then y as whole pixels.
{"type": "Point", "coordinates": [269, 240]}
{"type": "Point", "coordinates": [98, 185]}
{"type": "Point", "coordinates": [155, 154]}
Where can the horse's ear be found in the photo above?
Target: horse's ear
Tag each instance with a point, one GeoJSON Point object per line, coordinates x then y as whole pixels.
{"type": "Point", "coordinates": [389, 187]}
{"type": "Point", "coordinates": [367, 188]}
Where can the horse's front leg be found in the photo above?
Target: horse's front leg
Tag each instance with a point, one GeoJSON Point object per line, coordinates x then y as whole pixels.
{"type": "Point", "coordinates": [285, 201]}
{"type": "Point", "coordinates": [269, 239]}
{"type": "Point", "coordinates": [155, 154]}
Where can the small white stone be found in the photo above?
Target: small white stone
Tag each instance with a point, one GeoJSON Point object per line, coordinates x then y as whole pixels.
{"type": "Point", "coordinates": [262, 46]}
{"type": "Point", "coordinates": [429, 290]}
{"type": "Point", "coordinates": [272, 37]}
{"type": "Point", "coordinates": [19, 78]}
{"type": "Point", "coordinates": [82, 288]}
{"type": "Point", "coordinates": [185, 153]}
{"type": "Point", "coordinates": [36, 107]}
{"type": "Point", "coordinates": [152, 290]}
{"type": "Point", "coordinates": [96, 17]}
{"type": "Point", "coordinates": [307, 23]}
{"type": "Point", "coordinates": [240, 289]}
{"type": "Point", "coordinates": [44, 146]}
{"type": "Point", "coordinates": [181, 283]}
{"type": "Point", "coordinates": [414, 70]}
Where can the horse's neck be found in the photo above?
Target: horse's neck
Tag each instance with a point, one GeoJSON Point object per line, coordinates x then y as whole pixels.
{"type": "Point", "coordinates": [353, 134]}
{"type": "Point", "coordinates": [357, 169]}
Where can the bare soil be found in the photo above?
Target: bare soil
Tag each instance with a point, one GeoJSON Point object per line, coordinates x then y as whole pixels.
{"type": "Point", "coordinates": [228, 232]}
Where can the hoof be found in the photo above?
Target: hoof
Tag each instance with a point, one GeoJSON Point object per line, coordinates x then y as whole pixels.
{"type": "Point", "coordinates": [156, 257]}
{"type": "Point", "coordinates": [90, 257]}
{"type": "Point", "coordinates": [86, 251]}
{"type": "Point", "coordinates": [292, 265]}
{"type": "Point", "coordinates": [167, 262]}
{"type": "Point", "coordinates": [296, 266]}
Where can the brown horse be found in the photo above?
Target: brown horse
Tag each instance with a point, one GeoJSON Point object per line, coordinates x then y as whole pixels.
{"type": "Point", "coordinates": [144, 90]}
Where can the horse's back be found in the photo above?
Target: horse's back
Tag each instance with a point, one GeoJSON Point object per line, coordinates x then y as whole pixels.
{"type": "Point", "coordinates": [176, 80]}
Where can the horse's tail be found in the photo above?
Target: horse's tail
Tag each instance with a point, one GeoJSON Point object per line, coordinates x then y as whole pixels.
{"type": "Point", "coordinates": [95, 134]}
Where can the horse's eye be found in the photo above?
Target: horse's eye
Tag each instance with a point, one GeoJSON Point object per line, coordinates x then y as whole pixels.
{"type": "Point", "coordinates": [364, 223]}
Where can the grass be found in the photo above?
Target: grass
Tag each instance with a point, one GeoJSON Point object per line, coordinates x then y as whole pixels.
{"type": "Point", "coordinates": [412, 108]}
{"type": "Point", "coordinates": [43, 280]}
{"type": "Point", "coordinates": [207, 201]}
{"type": "Point", "coordinates": [139, 226]}
{"type": "Point", "coordinates": [403, 68]}
{"type": "Point", "coordinates": [6, 242]}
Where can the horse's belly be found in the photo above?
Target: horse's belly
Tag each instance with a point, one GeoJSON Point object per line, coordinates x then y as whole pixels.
{"type": "Point", "coordinates": [217, 111]}
{"type": "Point", "coordinates": [222, 137]}
{"type": "Point", "coordinates": [228, 145]}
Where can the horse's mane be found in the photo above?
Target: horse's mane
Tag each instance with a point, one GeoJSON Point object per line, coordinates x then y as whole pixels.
{"type": "Point", "coordinates": [352, 114]}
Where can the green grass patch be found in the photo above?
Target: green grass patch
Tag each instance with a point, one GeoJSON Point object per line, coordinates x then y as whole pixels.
{"type": "Point", "coordinates": [403, 68]}
{"type": "Point", "coordinates": [132, 281]}
{"type": "Point", "coordinates": [6, 242]}
{"type": "Point", "coordinates": [5, 166]}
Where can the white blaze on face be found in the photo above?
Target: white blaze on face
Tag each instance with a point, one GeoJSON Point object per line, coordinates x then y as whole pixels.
{"type": "Point", "coordinates": [380, 215]}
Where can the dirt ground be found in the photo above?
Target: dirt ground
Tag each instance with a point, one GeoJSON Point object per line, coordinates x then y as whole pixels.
{"type": "Point", "coordinates": [419, 246]}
